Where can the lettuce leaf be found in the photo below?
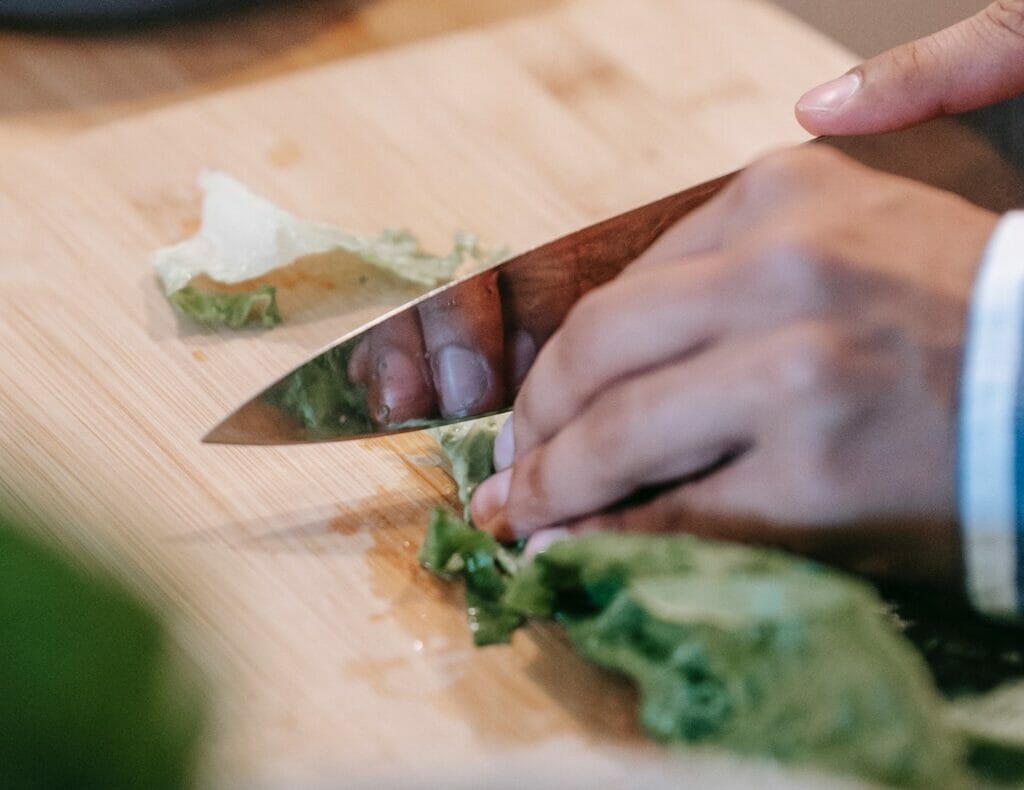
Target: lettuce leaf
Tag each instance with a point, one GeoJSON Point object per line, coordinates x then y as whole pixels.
{"type": "Point", "coordinates": [256, 307]}
{"type": "Point", "coordinates": [213, 277]}
{"type": "Point", "coordinates": [453, 549]}
{"type": "Point", "coordinates": [469, 447]}
{"type": "Point", "coordinates": [748, 649]}
{"type": "Point", "coordinates": [742, 648]}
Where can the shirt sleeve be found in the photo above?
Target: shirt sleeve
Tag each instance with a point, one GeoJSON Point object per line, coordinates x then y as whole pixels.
{"type": "Point", "coordinates": [991, 428]}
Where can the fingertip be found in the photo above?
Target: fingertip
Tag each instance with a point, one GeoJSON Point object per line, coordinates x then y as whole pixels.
{"type": "Point", "coordinates": [489, 499]}
{"type": "Point", "coordinates": [821, 109]}
{"type": "Point", "coordinates": [811, 121]}
{"type": "Point", "coordinates": [832, 95]}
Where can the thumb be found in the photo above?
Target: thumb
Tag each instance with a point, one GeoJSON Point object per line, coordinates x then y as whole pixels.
{"type": "Point", "coordinates": [974, 63]}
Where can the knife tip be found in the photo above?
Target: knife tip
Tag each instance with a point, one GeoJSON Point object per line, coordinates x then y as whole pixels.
{"type": "Point", "coordinates": [216, 436]}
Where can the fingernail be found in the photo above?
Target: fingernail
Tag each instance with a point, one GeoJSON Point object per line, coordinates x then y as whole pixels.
{"type": "Point", "coordinates": [832, 95]}
{"type": "Point", "coordinates": [490, 497]}
{"type": "Point", "coordinates": [462, 376]}
{"type": "Point", "coordinates": [504, 446]}
{"type": "Point", "coordinates": [541, 541]}
{"type": "Point", "coordinates": [400, 381]}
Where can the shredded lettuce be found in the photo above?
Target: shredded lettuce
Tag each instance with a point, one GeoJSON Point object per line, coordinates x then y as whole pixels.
{"type": "Point", "coordinates": [213, 277]}
{"type": "Point", "coordinates": [469, 447]}
{"type": "Point", "coordinates": [743, 648]}
{"type": "Point", "coordinates": [455, 549]}
{"type": "Point", "coordinates": [748, 649]}
{"type": "Point", "coordinates": [256, 307]}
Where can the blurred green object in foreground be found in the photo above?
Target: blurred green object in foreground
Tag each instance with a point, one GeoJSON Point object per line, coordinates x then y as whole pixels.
{"type": "Point", "coordinates": [93, 692]}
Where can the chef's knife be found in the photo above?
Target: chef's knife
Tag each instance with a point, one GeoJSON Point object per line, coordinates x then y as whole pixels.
{"type": "Point", "coordinates": [529, 295]}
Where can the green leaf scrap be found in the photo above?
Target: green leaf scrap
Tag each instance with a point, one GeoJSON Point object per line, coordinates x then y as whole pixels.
{"type": "Point", "coordinates": [453, 548]}
{"type": "Point", "coordinates": [243, 237]}
{"type": "Point", "coordinates": [235, 310]}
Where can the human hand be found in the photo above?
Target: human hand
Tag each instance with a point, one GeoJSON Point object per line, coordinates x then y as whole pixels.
{"type": "Point", "coordinates": [465, 354]}
{"type": "Point", "coordinates": [975, 63]}
{"type": "Point", "coordinates": [441, 359]}
{"type": "Point", "coordinates": [781, 367]}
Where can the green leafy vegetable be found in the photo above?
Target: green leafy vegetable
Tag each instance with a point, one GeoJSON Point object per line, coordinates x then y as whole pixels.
{"type": "Point", "coordinates": [469, 447]}
{"type": "Point", "coordinates": [244, 237]}
{"type": "Point", "coordinates": [746, 649]}
{"type": "Point", "coordinates": [258, 307]}
{"type": "Point", "coordinates": [93, 694]}
{"type": "Point", "coordinates": [750, 650]}
{"type": "Point", "coordinates": [994, 726]}
{"type": "Point", "coordinates": [454, 548]}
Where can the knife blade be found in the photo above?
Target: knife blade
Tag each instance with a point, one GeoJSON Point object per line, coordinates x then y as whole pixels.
{"type": "Point", "coordinates": [518, 304]}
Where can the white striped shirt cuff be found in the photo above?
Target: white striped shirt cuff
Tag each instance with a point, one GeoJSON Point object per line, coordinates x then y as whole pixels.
{"type": "Point", "coordinates": [991, 427]}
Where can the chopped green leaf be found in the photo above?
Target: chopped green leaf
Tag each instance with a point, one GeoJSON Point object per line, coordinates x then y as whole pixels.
{"type": "Point", "coordinates": [469, 447]}
{"type": "Point", "coordinates": [243, 237]}
{"type": "Point", "coordinates": [743, 648]}
{"type": "Point", "coordinates": [454, 548]}
{"type": "Point", "coordinates": [257, 307]}
{"type": "Point", "coordinates": [489, 621]}
{"type": "Point", "coordinates": [750, 650]}
{"type": "Point", "coordinates": [445, 537]}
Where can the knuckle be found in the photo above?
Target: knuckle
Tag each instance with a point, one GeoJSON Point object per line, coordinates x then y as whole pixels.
{"type": "Point", "coordinates": [767, 173]}
{"type": "Point", "coordinates": [789, 170]}
{"type": "Point", "coordinates": [785, 177]}
{"type": "Point", "coordinates": [809, 360]}
{"type": "Point", "coordinates": [916, 63]}
{"type": "Point", "coordinates": [792, 264]}
{"type": "Point", "coordinates": [794, 246]}
{"type": "Point", "coordinates": [908, 60]}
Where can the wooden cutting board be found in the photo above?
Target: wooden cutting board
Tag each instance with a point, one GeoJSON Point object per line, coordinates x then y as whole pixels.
{"type": "Point", "coordinates": [332, 657]}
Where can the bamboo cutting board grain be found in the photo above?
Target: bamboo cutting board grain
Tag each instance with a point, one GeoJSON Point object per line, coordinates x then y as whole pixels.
{"type": "Point", "coordinates": [334, 659]}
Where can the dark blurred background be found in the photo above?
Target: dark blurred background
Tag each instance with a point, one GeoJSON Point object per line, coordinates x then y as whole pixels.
{"type": "Point", "coordinates": [71, 64]}
{"type": "Point", "coordinates": [865, 26]}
